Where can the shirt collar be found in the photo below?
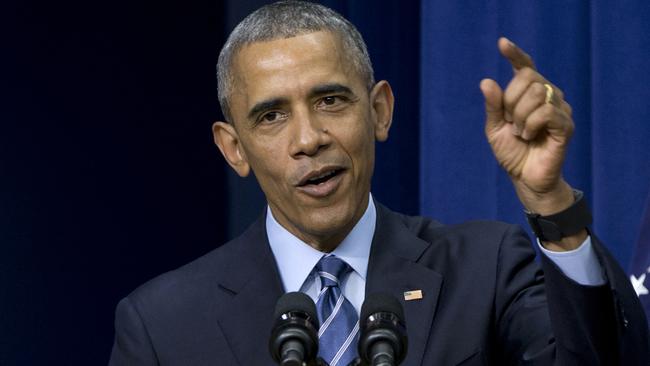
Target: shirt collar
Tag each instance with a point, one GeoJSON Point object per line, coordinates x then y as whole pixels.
{"type": "Point", "coordinates": [296, 259]}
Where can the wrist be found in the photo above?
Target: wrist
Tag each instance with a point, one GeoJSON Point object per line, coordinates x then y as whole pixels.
{"type": "Point", "coordinates": [548, 202]}
{"type": "Point", "coordinates": [567, 243]}
{"type": "Point", "coordinates": [563, 230]}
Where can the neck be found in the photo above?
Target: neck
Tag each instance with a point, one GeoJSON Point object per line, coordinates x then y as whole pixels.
{"type": "Point", "coordinates": [324, 241]}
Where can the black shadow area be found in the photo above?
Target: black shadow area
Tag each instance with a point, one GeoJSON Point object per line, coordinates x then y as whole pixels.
{"type": "Point", "coordinates": [108, 173]}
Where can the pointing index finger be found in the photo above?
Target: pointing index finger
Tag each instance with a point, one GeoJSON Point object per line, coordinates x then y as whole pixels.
{"type": "Point", "coordinates": [515, 55]}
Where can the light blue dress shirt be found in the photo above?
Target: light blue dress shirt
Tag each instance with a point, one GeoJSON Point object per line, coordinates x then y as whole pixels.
{"type": "Point", "coordinates": [580, 264]}
{"type": "Point", "coordinates": [296, 259]}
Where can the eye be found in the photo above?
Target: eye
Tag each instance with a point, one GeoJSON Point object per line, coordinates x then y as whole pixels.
{"type": "Point", "coordinates": [271, 117]}
{"type": "Point", "coordinates": [329, 100]}
{"type": "Point", "coordinates": [332, 102]}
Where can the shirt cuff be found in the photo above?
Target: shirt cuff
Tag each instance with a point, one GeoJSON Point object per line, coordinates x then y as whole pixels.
{"type": "Point", "coordinates": [580, 264]}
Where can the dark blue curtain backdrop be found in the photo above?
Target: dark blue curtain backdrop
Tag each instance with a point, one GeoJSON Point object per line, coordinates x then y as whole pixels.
{"type": "Point", "coordinates": [108, 174]}
{"type": "Point", "coordinates": [596, 53]}
{"type": "Point", "coordinates": [640, 269]}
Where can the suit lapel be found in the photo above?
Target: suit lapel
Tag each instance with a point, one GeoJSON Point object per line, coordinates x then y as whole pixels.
{"type": "Point", "coordinates": [393, 268]}
{"type": "Point", "coordinates": [255, 285]}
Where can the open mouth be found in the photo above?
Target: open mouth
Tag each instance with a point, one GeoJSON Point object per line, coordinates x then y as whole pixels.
{"type": "Point", "coordinates": [321, 178]}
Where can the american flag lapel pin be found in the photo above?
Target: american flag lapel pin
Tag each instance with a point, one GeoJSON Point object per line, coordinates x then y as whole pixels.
{"type": "Point", "coordinates": [413, 295]}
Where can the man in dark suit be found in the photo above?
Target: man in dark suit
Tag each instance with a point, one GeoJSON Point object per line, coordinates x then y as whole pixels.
{"type": "Point", "coordinates": [304, 112]}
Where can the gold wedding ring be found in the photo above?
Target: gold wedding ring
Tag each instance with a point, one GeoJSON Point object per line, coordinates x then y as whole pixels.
{"type": "Point", "coordinates": [549, 93]}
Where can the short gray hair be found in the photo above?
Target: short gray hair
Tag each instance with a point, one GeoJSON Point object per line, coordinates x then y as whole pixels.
{"type": "Point", "coordinates": [286, 19]}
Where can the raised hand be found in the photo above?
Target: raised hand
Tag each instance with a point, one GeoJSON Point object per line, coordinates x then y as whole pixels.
{"type": "Point", "coordinates": [528, 126]}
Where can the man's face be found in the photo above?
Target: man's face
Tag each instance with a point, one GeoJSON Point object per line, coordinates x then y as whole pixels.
{"type": "Point", "coordinates": [306, 124]}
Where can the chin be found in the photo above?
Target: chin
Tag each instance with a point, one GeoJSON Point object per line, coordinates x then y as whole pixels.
{"type": "Point", "coordinates": [329, 221]}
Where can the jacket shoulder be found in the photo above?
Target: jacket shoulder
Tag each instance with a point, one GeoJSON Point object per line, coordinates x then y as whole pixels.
{"type": "Point", "coordinates": [200, 279]}
{"type": "Point", "coordinates": [474, 232]}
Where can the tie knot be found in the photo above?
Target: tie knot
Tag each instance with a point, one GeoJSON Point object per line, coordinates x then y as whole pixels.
{"type": "Point", "coordinates": [332, 270]}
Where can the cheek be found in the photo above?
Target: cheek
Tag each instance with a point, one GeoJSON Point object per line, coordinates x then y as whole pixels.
{"type": "Point", "coordinates": [359, 144]}
{"type": "Point", "coordinates": [266, 158]}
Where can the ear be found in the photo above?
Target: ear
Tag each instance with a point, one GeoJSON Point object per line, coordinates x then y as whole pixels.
{"type": "Point", "coordinates": [227, 139]}
{"type": "Point", "coordinates": [382, 103]}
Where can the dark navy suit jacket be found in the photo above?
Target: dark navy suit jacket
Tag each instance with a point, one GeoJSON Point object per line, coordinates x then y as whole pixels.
{"type": "Point", "coordinates": [486, 301]}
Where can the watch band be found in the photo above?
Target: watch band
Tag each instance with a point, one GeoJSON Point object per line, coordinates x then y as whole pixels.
{"type": "Point", "coordinates": [565, 223]}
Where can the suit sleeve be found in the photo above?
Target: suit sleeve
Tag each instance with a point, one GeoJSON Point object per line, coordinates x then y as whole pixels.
{"type": "Point", "coordinates": [610, 314]}
{"type": "Point", "coordinates": [132, 346]}
{"type": "Point", "coordinates": [545, 318]}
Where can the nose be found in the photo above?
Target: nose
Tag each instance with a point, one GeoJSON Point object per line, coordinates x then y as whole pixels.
{"type": "Point", "coordinates": [309, 135]}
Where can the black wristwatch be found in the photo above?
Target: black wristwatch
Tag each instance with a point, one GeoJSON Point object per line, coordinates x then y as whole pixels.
{"type": "Point", "coordinates": [562, 224]}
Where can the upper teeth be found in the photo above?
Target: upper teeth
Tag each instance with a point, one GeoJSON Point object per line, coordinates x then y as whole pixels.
{"type": "Point", "coordinates": [326, 174]}
{"type": "Point", "coordinates": [323, 175]}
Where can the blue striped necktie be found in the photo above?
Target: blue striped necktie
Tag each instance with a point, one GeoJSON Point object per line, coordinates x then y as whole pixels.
{"type": "Point", "coordinates": [339, 330]}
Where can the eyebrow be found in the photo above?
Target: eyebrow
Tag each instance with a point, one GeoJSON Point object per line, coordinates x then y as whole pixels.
{"type": "Point", "coordinates": [266, 105]}
{"type": "Point", "coordinates": [332, 88]}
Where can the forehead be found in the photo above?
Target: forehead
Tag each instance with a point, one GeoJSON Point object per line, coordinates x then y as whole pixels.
{"type": "Point", "coordinates": [289, 67]}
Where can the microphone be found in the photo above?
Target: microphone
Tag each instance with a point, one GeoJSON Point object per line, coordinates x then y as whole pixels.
{"type": "Point", "coordinates": [383, 340]}
{"type": "Point", "coordinates": [294, 337]}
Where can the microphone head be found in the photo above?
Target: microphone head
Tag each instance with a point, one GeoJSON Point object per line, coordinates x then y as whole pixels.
{"type": "Point", "coordinates": [295, 302]}
{"type": "Point", "coordinates": [296, 324]}
{"type": "Point", "coordinates": [382, 324]}
{"type": "Point", "coordinates": [381, 302]}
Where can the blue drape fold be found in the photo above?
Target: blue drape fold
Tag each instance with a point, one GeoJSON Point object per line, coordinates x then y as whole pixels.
{"type": "Point", "coordinates": [594, 52]}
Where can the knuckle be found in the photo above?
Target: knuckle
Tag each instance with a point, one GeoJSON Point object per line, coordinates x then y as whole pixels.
{"type": "Point", "coordinates": [539, 90]}
{"type": "Point", "coordinates": [509, 100]}
{"type": "Point", "coordinates": [534, 123]}
{"type": "Point", "coordinates": [548, 112]}
{"type": "Point", "coordinates": [517, 115]}
{"type": "Point", "coordinates": [570, 126]}
{"type": "Point", "coordinates": [528, 72]}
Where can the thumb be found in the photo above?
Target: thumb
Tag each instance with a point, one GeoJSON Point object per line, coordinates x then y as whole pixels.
{"type": "Point", "coordinates": [493, 95]}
